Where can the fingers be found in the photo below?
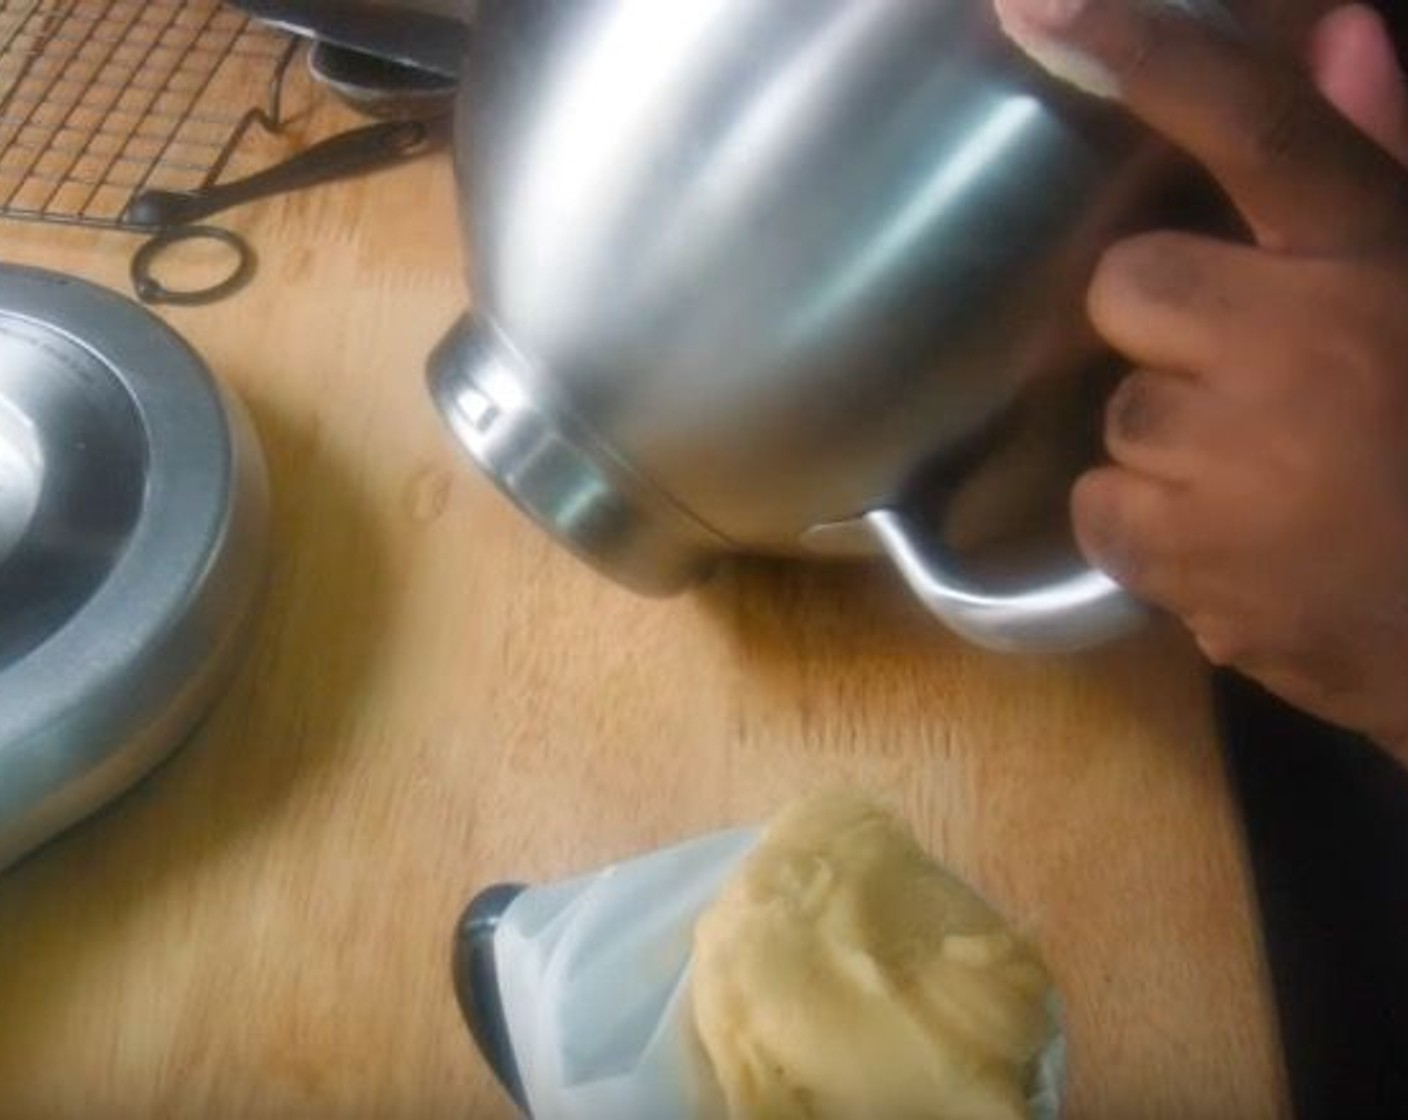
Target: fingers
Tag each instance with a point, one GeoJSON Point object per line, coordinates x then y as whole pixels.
{"type": "Point", "coordinates": [1171, 301]}
{"type": "Point", "coordinates": [1303, 177]}
{"type": "Point", "coordinates": [1124, 524]}
{"type": "Point", "coordinates": [1182, 303]}
{"type": "Point", "coordinates": [1354, 64]}
{"type": "Point", "coordinates": [1164, 427]}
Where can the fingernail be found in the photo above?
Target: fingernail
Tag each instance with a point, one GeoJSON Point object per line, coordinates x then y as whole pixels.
{"type": "Point", "coordinates": [1072, 66]}
{"type": "Point", "coordinates": [1048, 15]}
{"type": "Point", "coordinates": [1033, 25]}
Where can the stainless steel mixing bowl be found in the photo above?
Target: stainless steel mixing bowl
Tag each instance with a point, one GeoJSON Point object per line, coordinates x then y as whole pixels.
{"type": "Point", "coordinates": [132, 527]}
{"type": "Point", "coordinates": [790, 277]}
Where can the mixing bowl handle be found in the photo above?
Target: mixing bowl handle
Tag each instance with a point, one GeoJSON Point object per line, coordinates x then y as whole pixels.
{"type": "Point", "coordinates": [1080, 610]}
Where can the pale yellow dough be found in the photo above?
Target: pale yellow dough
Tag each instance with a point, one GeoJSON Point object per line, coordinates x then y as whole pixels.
{"type": "Point", "coordinates": [843, 975]}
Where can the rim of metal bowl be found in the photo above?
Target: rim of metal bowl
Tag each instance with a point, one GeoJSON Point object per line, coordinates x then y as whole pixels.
{"type": "Point", "coordinates": [196, 456]}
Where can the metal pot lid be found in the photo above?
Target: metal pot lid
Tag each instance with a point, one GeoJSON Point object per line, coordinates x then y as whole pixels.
{"type": "Point", "coordinates": [132, 520]}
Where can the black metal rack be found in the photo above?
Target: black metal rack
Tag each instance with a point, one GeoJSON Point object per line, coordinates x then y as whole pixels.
{"type": "Point", "coordinates": [102, 99]}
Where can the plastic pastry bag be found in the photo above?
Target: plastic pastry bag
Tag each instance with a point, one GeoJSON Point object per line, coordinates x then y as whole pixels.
{"type": "Point", "coordinates": [593, 978]}
{"type": "Point", "coordinates": [594, 981]}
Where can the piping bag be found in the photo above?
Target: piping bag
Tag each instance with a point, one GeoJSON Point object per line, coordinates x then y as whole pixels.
{"type": "Point", "coordinates": [590, 983]}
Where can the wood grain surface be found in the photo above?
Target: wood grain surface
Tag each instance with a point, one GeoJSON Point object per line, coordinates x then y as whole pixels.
{"type": "Point", "coordinates": [438, 698]}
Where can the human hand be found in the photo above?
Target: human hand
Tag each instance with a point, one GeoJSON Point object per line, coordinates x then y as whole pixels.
{"type": "Point", "coordinates": [1258, 487]}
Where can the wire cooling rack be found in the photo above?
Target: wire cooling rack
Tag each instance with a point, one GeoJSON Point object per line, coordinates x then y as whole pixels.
{"type": "Point", "coordinates": [102, 99]}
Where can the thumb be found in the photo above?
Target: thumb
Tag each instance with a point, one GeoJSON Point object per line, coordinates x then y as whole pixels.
{"type": "Point", "coordinates": [1305, 179]}
{"type": "Point", "coordinates": [1354, 64]}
